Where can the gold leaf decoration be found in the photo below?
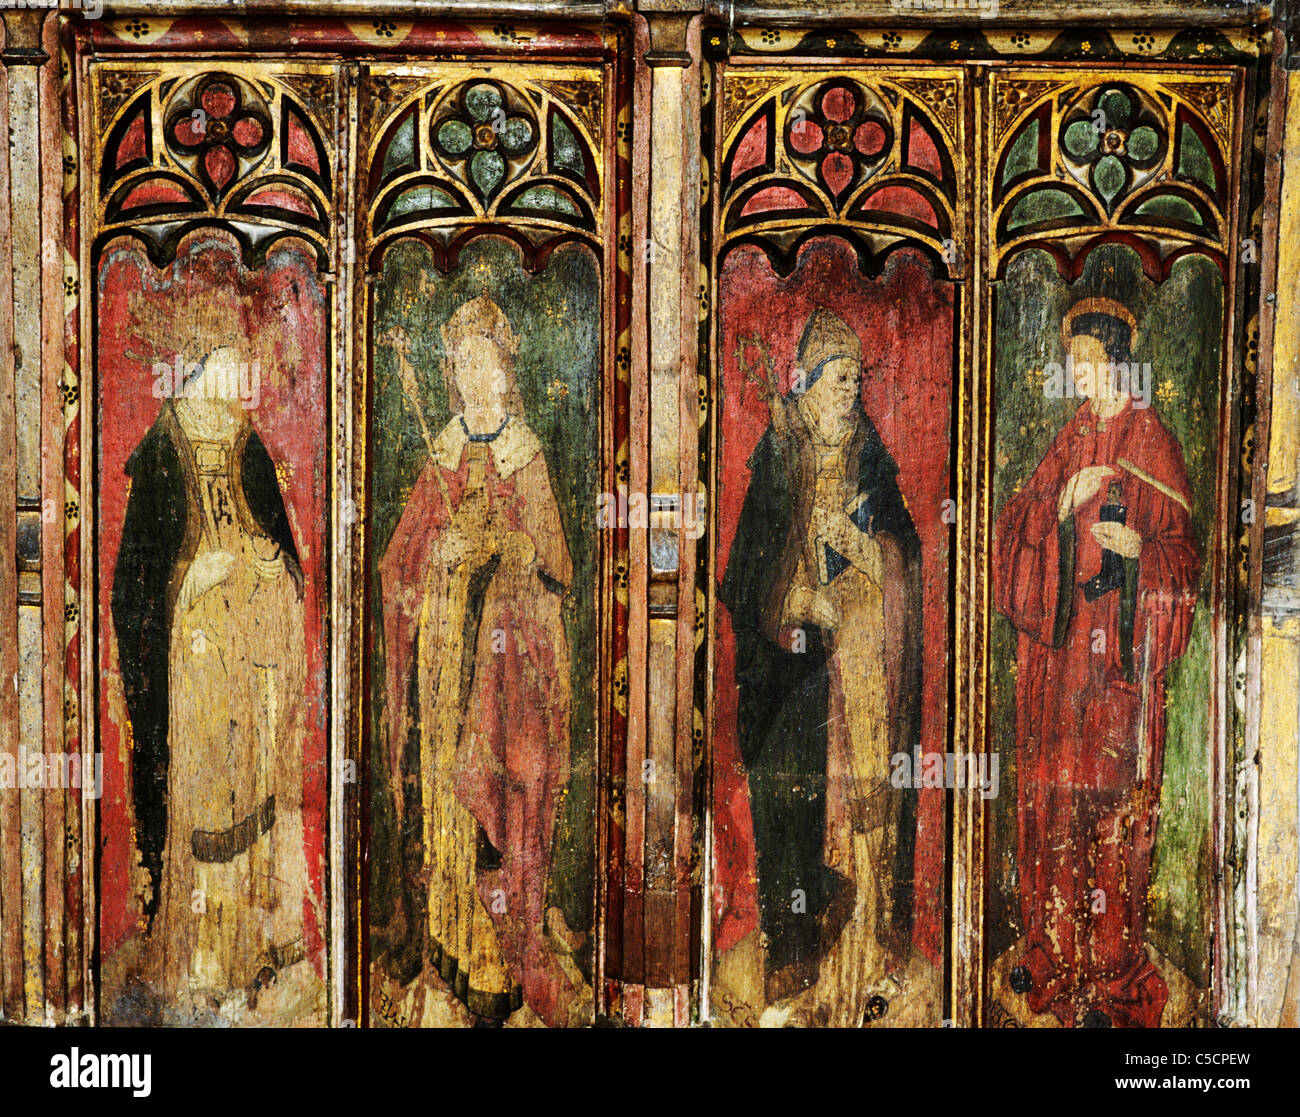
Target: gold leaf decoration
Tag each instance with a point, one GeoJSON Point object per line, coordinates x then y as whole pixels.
{"type": "Point", "coordinates": [940, 96]}
{"type": "Point", "coordinates": [582, 99]}
{"type": "Point", "coordinates": [116, 87]}
{"type": "Point", "coordinates": [1012, 98]}
{"type": "Point", "coordinates": [741, 92]}
{"type": "Point", "coordinates": [382, 94]}
{"type": "Point", "coordinates": [1213, 102]}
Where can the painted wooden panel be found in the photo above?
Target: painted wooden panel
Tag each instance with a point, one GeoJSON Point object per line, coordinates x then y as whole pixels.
{"type": "Point", "coordinates": [381, 393]}
{"type": "Point", "coordinates": [841, 195]}
{"type": "Point", "coordinates": [490, 417]}
{"type": "Point", "coordinates": [1111, 225]}
{"type": "Point", "coordinates": [212, 357]}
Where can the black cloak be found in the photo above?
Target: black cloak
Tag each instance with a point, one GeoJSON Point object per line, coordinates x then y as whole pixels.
{"type": "Point", "coordinates": [784, 696]}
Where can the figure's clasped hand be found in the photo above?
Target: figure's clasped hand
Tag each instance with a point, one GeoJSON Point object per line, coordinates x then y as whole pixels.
{"type": "Point", "coordinates": [265, 557]}
{"type": "Point", "coordinates": [840, 531]}
{"type": "Point", "coordinates": [808, 605]}
{"type": "Point", "coordinates": [456, 547]}
{"type": "Point", "coordinates": [1118, 538]}
{"type": "Point", "coordinates": [208, 570]}
{"type": "Point", "coordinates": [1081, 488]}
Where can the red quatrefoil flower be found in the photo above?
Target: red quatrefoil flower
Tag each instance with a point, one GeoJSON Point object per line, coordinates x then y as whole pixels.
{"type": "Point", "coordinates": [838, 136]}
{"type": "Point", "coordinates": [217, 131]}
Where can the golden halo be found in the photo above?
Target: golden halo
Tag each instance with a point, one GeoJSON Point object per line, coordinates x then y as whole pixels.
{"type": "Point", "coordinates": [1109, 307]}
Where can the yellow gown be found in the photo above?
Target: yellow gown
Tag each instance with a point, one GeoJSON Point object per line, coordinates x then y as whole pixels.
{"type": "Point", "coordinates": [234, 870]}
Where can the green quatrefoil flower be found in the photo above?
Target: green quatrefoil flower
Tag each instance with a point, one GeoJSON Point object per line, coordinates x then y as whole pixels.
{"type": "Point", "coordinates": [484, 137]}
{"type": "Point", "coordinates": [1113, 143]}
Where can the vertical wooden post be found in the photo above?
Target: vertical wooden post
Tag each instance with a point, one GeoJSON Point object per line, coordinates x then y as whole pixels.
{"type": "Point", "coordinates": [33, 819]}
{"type": "Point", "coordinates": [672, 269]}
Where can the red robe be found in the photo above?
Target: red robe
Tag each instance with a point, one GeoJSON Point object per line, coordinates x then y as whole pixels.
{"type": "Point", "coordinates": [514, 737]}
{"type": "Point", "coordinates": [1090, 719]}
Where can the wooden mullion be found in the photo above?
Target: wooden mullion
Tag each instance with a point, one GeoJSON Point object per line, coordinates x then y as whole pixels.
{"type": "Point", "coordinates": [11, 950]}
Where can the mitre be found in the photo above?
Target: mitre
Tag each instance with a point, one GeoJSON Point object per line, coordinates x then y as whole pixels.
{"type": "Point", "coordinates": [478, 320]}
{"type": "Point", "coordinates": [826, 337]}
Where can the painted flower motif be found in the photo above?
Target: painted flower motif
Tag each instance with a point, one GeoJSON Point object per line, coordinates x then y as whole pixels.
{"type": "Point", "coordinates": [484, 138]}
{"type": "Point", "coordinates": [1113, 143]}
{"type": "Point", "coordinates": [1010, 95]}
{"type": "Point", "coordinates": [218, 131]}
{"type": "Point", "coordinates": [839, 137]}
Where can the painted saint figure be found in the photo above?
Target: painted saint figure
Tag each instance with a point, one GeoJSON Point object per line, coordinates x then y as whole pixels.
{"type": "Point", "coordinates": [823, 583]}
{"type": "Point", "coordinates": [1096, 566]}
{"type": "Point", "coordinates": [207, 603]}
{"type": "Point", "coordinates": [478, 689]}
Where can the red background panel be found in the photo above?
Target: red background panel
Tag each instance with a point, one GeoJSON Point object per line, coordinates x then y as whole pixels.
{"type": "Point", "coordinates": [906, 321]}
{"type": "Point", "coordinates": [277, 314]}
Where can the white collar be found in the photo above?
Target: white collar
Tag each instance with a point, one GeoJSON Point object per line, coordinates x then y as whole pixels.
{"type": "Point", "coordinates": [512, 449]}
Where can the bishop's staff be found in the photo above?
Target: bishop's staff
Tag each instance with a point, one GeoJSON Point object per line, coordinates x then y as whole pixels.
{"type": "Point", "coordinates": [400, 342]}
